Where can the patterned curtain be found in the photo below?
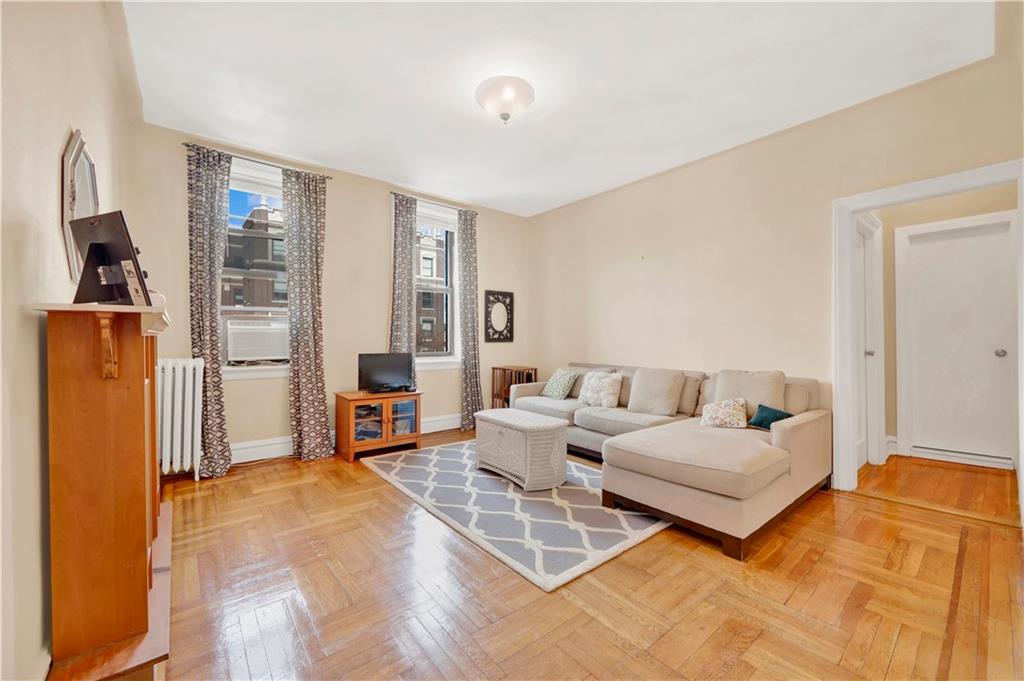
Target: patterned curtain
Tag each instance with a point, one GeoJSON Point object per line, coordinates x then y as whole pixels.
{"type": "Point", "coordinates": [305, 211]}
{"type": "Point", "coordinates": [207, 186]}
{"type": "Point", "coordinates": [469, 334]}
{"type": "Point", "coordinates": [402, 337]}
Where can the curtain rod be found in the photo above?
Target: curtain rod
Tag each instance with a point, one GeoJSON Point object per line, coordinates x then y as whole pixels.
{"type": "Point", "coordinates": [256, 160]}
{"type": "Point", "coordinates": [431, 201]}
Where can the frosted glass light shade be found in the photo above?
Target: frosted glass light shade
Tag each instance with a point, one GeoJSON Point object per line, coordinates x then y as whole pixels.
{"type": "Point", "coordinates": [505, 96]}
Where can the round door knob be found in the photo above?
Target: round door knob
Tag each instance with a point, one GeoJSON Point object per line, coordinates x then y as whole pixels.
{"type": "Point", "coordinates": [1000, 353]}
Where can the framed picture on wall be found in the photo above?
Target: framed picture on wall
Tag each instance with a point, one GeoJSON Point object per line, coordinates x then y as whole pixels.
{"type": "Point", "coordinates": [498, 316]}
{"type": "Point", "coordinates": [80, 196]}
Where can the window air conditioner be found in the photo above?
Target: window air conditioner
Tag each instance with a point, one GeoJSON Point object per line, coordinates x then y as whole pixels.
{"type": "Point", "coordinates": [262, 339]}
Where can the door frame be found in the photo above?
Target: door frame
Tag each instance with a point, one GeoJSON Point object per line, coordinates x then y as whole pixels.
{"type": "Point", "coordinates": [869, 225]}
{"type": "Point", "coordinates": [904, 396]}
{"type": "Point", "coordinates": [844, 232]}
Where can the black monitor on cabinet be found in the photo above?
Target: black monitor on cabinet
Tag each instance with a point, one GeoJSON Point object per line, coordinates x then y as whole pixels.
{"type": "Point", "coordinates": [385, 371]}
{"type": "Point", "coordinates": [111, 273]}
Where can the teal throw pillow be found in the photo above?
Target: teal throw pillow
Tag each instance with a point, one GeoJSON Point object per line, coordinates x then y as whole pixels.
{"type": "Point", "coordinates": [766, 416]}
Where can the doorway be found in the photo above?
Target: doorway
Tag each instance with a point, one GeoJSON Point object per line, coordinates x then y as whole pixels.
{"type": "Point", "coordinates": [944, 429]}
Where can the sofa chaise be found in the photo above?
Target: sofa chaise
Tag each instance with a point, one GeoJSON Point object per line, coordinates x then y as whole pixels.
{"type": "Point", "coordinates": [721, 482]}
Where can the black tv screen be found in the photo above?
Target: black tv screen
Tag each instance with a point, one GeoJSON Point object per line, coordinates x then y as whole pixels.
{"type": "Point", "coordinates": [383, 371]}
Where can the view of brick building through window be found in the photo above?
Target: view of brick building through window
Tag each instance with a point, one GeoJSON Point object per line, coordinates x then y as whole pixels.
{"type": "Point", "coordinates": [434, 293]}
{"type": "Point", "coordinates": [254, 284]}
{"type": "Point", "coordinates": [255, 260]}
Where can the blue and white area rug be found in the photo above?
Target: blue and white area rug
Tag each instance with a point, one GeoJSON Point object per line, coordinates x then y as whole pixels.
{"type": "Point", "coordinates": [550, 537]}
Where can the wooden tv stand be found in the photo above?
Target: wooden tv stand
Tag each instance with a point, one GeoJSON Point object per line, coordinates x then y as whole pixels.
{"type": "Point", "coordinates": [367, 421]}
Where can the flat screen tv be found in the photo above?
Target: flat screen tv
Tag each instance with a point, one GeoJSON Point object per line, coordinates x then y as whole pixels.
{"type": "Point", "coordinates": [385, 371]}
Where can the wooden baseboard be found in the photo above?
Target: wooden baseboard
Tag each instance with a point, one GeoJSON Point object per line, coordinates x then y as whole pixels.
{"type": "Point", "coordinates": [948, 456]}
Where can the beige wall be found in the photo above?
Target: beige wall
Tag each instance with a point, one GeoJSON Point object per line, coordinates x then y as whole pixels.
{"type": "Point", "coordinates": [726, 262]}
{"type": "Point", "coordinates": [944, 208]}
{"type": "Point", "coordinates": [62, 69]}
{"type": "Point", "coordinates": [6, 578]}
{"type": "Point", "coordinates": [357, 276]}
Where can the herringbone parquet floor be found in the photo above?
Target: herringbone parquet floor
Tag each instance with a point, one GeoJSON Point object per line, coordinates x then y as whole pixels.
{"type": "Point", "coordinates": [985, 493]}
{"type": "Point", "coordinates": [292, 570]}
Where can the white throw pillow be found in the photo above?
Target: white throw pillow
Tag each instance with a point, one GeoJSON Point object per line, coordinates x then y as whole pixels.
{"type": "Point", "coordinates": [601, 389]}
{"type": "Point", "coordinates": [583, 371]}
{"type": "Point", "coordinates": [731, 413]}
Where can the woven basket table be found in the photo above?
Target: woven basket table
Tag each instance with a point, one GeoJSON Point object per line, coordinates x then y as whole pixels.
{"type": "Point", "coordinates": [526, 448]}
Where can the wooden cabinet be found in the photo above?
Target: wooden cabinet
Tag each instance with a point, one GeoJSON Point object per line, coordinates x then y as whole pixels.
{"type": "Point", "coordinates": [109, 535]}
{"type": "Point", "coordinates": [367, 421]}
{"type": "Point", "coordinates": [504, 377]}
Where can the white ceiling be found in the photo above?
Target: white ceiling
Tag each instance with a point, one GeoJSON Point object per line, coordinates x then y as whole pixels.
{"type": "Point", "coordinates": [623, 91]}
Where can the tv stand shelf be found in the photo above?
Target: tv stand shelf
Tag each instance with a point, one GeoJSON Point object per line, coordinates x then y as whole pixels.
{"type": "Point", "coordinates": [368, 421]}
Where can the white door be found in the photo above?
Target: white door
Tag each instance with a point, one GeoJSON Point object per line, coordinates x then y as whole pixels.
{"type": "Point", "coordinates": [956, 319]}
{"type": "Point", "coordinates": [860, 308]}
{"type": "Point", "coordinates": [868, 325]}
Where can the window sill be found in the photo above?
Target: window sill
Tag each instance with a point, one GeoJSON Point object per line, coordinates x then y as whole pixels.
{"type": "Point", "coordinates": [247, 373]}
{"type": "Point", "coordinates": [438, 363]}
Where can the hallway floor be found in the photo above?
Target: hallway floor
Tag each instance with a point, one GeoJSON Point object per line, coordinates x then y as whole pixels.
{"type": "Point", "coordinates": [973, 491]}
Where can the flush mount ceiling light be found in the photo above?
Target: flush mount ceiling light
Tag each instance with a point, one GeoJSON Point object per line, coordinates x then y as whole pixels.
{"type": "Point", "coordinates": [505, 96]}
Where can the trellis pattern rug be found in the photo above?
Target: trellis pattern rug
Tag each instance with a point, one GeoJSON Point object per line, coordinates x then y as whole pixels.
{"type": "Point", "coordinates": [549, 537]}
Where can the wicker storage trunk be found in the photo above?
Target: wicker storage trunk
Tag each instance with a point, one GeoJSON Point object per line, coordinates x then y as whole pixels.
{"type": "Point", "coordinates": [526, 448]}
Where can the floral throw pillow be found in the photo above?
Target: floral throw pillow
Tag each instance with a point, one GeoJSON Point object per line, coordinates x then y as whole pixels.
{"type": "Point", "coordinates": [600, 389]}
{"type": "Point", "coordinates": [560, 383]}
{"type": "Point", "coordinates": [731, 413]}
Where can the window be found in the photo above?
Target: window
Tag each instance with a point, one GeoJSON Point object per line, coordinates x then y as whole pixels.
{"type": "Point", "coordinates": [427, 262]}
{"type": "Point", "coordinates": [435, 286]}
{"type": "Point", "coordinates": [280, 292]}
{"type": "Point", "coordinates": [254, 284]}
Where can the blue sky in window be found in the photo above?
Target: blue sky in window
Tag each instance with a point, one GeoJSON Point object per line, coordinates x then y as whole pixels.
{"type": "Point", "coordinates": [241, 202]}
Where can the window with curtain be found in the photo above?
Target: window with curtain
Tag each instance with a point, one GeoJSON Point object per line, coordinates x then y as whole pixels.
{"type": "Point", "coordinates": [254, 284]}
{"type": "Point", "coordinates": [434, 270]}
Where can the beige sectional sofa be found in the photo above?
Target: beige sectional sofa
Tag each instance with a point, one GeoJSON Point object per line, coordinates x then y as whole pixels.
{"type": "Point", "coordinates": [725, 483]}
{"type": "Point", "coordinates": [589, 427]}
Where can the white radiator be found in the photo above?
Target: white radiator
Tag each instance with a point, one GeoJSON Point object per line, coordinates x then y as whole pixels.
{"type": "Point", "coordinates": [179, 391]}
